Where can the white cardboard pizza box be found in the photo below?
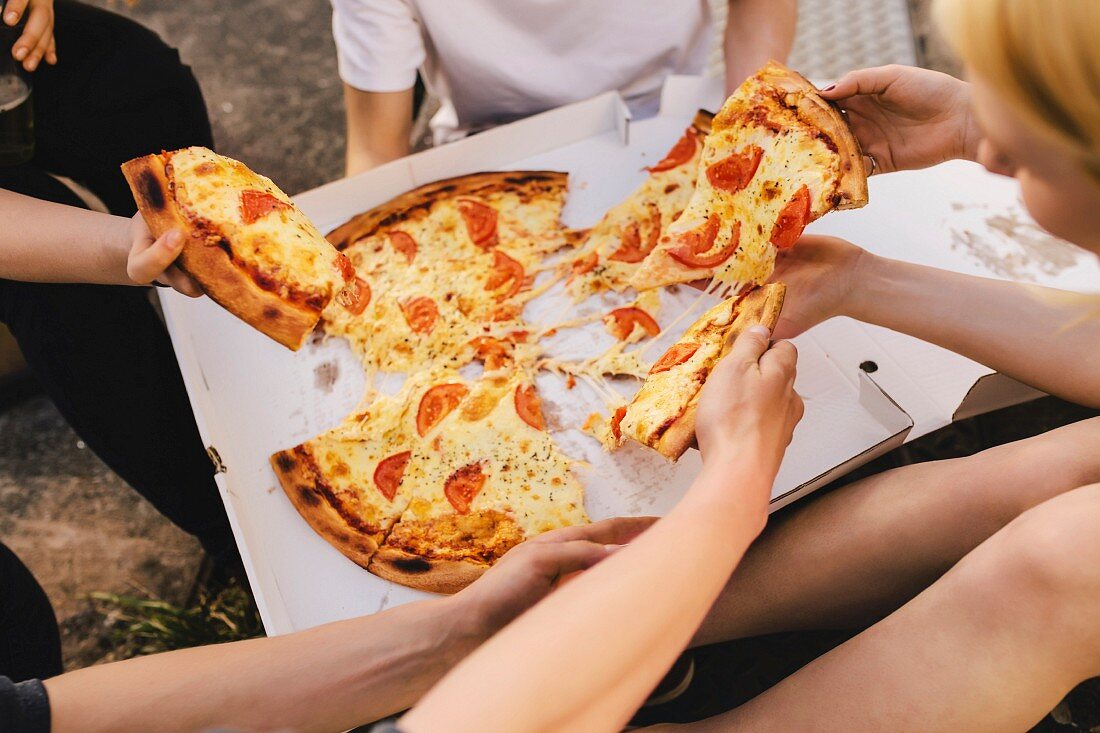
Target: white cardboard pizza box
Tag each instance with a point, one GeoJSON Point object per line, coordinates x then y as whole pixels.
{"type": "Point", "coordinates": [252, 397]}
{"type": "Point", "coordinates": [955, 216]}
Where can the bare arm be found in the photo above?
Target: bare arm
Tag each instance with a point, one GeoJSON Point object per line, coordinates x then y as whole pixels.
{"type": "Point", "coordinates": [379, 125]}
{"type": "Point", "coordinates": [333, 677]}
{"type": "Point", "coordinates": [585, 658]}
{"type": "Point", "coordinates": [1047, 338]}
{"type": "Point", "coordinates": [756, 32]}
{"type": "Point", "coordinates": [47, 242]}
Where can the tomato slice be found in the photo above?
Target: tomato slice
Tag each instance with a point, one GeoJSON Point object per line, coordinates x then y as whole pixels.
{"type": "Point", "coordinates": [792, 220]}
{"type": "Point", "coordinates": [678, 354]}
{"type": "Point", "coordinates": [734, 172]}
{"type": "Point", "coordinates": [436, 404]}
{"type": "Point", "coordinates": [621, 322]}
{"type": "Point", "coordinates": [492, 352]}
{"type": "Point", "coordinates": [505, 269]}
{"type": "Point", "coordinates": [420, 313]}
{"type": "Point", "coordinates": [584, 264]}
{"type": "Point", "coordinates": [631, 248]}
{"type": "Point", "coordinates": [694, 246]}
{"type": "Point", "coordinates": [389, 472]}
{"type": "Point", "coordinates": [463, 485]}
{"type": "Point", "coordinates": [481, 222]}
{"type": "Point", "coordinates": [355, 297]}
{"type": "Point", "coordinates": [257, 204]}
{"type": "Point", "coordinates": [681, 153]}
{"type": "Point", "coordinates": [403, 243]}
{"type": "Point", "coordinates": [617, 421]}
{"type": "Point", "coordinates": [343, 264]}
{"type": "Point", "coordinates": [529, 406]}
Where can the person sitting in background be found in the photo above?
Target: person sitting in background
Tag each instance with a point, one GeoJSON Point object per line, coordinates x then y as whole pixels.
{"type": "Point", "coordinates": [978, 576]}
{"type": "Point", "coordinates": [495, 61]}
{"type": "Point", "coordinates": [110, 90]}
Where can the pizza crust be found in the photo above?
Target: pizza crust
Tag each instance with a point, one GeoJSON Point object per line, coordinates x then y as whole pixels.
{"type": "Point", "coordinates": [761, 306]}
{"type": "Point", "coordinates": [205, 258]}
{"type": "Point", "coordinates": [418, 202]}
{"type": "Point", "coordinates": [299, 479]}
{"type": "Point", "coordinates": [821, 114]}
{"type": "Point", "coordinates": [433, 575]}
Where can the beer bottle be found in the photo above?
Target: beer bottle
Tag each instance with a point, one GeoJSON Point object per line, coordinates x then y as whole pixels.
{"type": "Point", "coordinates": [16, 102]}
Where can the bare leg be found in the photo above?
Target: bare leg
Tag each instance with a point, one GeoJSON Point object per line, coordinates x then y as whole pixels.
{"type": "Point", "coordinates": [991, 646]}
{"type": "Point", "coordinates": [860, 552]}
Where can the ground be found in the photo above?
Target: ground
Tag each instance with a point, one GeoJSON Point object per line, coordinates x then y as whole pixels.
{"type": "Point", "coordinates": [268, 71]}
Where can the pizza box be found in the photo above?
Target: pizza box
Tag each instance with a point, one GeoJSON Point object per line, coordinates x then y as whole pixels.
{"type": "Point", "coordinates": [252, 397]}
{"type": "Point", "coordinates": [955, 216]}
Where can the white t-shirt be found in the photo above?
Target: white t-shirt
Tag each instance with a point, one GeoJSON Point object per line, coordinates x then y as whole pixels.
{"type": "Point", "coordinates": [492, 61]}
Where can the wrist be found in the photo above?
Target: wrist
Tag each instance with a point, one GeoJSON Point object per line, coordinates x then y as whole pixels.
{"type": "Point", "coordinates": [864, 278]}
{"type": "Point", "coordinates": [114, 249]}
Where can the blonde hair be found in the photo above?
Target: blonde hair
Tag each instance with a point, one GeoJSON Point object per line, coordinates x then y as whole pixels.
{"type": "Point", "coordinates": [1043, 56]}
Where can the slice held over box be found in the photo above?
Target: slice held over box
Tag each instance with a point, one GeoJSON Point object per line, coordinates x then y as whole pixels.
{"type": "Point", "coordinates": [246, 243]}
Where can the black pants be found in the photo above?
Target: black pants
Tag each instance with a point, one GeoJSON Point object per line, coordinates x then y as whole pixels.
{"type": "Point", "coordinates": [100, 352]}
{"type": "Point", "coordinates": [30, 645]}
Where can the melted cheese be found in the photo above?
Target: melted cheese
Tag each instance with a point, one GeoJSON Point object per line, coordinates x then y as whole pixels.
{"type": "Point", "coordinates": [282, 243]}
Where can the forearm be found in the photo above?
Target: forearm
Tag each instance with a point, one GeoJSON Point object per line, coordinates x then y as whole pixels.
{"type": "Point", "coordinates": [617, 627]}
{"type": "Point", "coordinates": [329, 678]}
{"type": "Point", "coordinates": [379, 125]}
{"type": "Point", "coordinates": [47, 242]}
{"type": "Point", "coordinates": [757, 31]}
{"type": "Point", "coordinates": [1047, 338]}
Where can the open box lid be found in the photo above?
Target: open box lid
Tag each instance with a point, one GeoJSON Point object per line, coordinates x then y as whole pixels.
{"type": "Point", "coordinates": [252, 397]}
{"type": "Point", "coordinates": [955, 216]}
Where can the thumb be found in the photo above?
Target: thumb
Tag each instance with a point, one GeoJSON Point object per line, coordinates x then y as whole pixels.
{"type": "Point", "coordinates": [750, 345]}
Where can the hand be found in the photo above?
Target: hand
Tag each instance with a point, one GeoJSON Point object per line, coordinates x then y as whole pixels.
{"type": "Point", "coordinates": [37, 41]}
{"type": "Point", "coordinates": [151, 260]}
{"type": "Point", "coordinates": [529, 571]}
{"type": "Point", "coordinates": [748, 402]}
{"type": "Point", "coordinates": [907, 118]}
{"type": "Point", "coordinates": [820, 273]}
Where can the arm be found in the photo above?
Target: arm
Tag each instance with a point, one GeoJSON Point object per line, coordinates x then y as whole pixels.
{"type": "Point", "coordinates": [585, 658]}
{"type": "Point", "coordinates": [1044, 337]}
{"type": "Point", "coordinates": [379, 126]}
{"type": "Point", "coordinates": [757, 31]}
{"type": "Point", "coordinates": [47, 242]}
{"type": "Point", "coordinates": [333, 677]}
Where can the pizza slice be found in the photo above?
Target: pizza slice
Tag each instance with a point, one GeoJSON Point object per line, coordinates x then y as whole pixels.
{"type": "Point", "coordinates": [348, 482]}
{"type": "Point", "coordinates": [777, 157]}
{"type": "Point", "coordinates": [620, 242]}
{"type": "Point", "coordinates": [487, 478]}
{"type": "Point", "coordinates": [662, 413]}
{"type": "Point", "coordinates": [247, 244]}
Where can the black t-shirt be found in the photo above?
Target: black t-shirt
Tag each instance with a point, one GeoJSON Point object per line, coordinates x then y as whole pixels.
{"type": "Point", "coordinates": [24, 707]}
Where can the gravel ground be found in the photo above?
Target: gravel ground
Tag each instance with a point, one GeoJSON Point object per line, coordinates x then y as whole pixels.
{"type": "Point", "coordinates": [269, 74]}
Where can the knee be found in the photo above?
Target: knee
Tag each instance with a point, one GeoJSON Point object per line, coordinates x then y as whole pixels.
{"type": "Point", "coordinates": [1047, 561]}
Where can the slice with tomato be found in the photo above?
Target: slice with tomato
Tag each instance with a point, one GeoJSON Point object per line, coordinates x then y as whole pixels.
{"type": "Point", "coordinates": [733, 173]}
{"type": "Point", "coordinates": [463, 486]}
{"type": "Point", "coordinates": [389, 472]}
{"type": "Point", "coordinates": [421, 313]}
{"type": "Point", "coordinates": [481, 222]}
{"type": "Point", "coordinates": [529, 406]}
{"type": "Point", "coordinates": [621, 322]}
{"type": "Point", "coordinates": [792, 220]}
{"type": "Point", "coordinates": [505, 270]}
{"type": "Point", "coordinates": [631, 248]}
{"type": "Point", "coordinates": [675, 356]}
{"type": "Point", "coordinates": [681, 153]}
{"type": "Point", "coordinates": [436, 404]}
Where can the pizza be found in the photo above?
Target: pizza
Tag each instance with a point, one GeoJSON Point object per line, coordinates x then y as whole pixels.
{"type": "Point", "coordinates": [430, 486]}
{"type": "Point", "coordinates": [662, 413]}
{"type": "Point", "coordinates": [247, 245]}
{"type": "Point", "coordinates": [617, 245]}
{"type": "Point", "coordinates": [448, 267]}
{"type": "Point", "coordinates": [778, 156]}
